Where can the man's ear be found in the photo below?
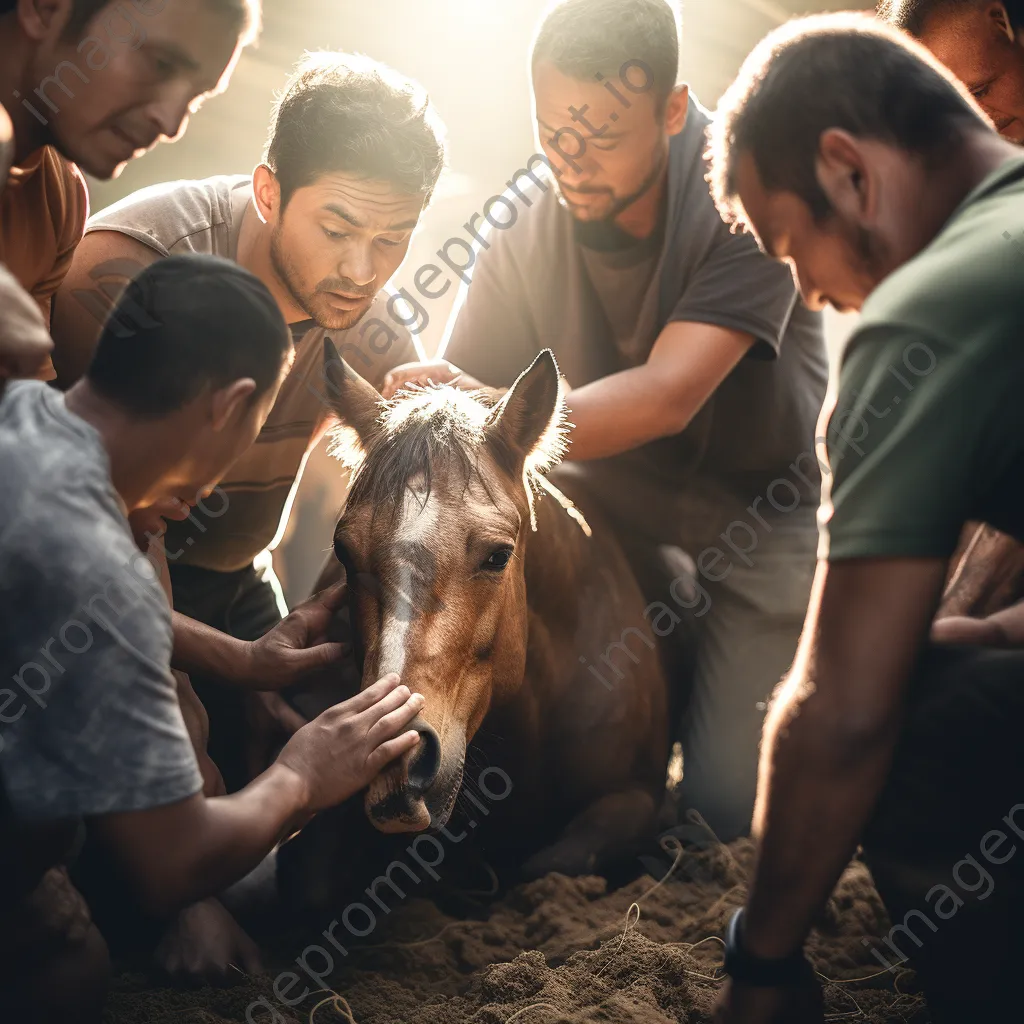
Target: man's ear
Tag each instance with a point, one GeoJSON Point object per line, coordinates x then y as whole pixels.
{"type": "Point", "coordinates": [677, 107]}
{"type": "Point", "coordinates": [843, 175]}
{"type": "Point", "coordinates": [266, 193]}
{"type": "Point", "coordinates": [227, 401]}
{"type": "Point", "coordinates": [1000, 20]}
{"type": "Point", "coordinates": [42, 19]}
{"type": "Point", "coordinates": [526, 426]}
{"type": "Point", "coordinates": [355, 401]}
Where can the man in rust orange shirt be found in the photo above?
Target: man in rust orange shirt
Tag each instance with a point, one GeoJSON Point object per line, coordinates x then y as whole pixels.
{"type": "Point", "coordinates": [91, 84]}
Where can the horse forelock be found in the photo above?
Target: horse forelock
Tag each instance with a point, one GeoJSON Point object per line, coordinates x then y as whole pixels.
{"type": "Point", "coordinates": [431, 433]}
{"type": "Point", "coordinates": [434, 431]}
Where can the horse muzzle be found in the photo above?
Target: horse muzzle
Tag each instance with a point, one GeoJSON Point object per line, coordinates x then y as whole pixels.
{"type": "Point", "coordinates": [416, 792]}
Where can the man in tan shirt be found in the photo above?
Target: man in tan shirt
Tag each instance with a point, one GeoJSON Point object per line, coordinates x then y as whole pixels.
{"type": "Point", "coordinates": [325, 220]}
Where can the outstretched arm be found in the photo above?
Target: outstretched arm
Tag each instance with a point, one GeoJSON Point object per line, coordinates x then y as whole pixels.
{"type": "Point", "coordinates": [192, 849]}
{"type": "Point", "coordinates": [658, 399]}
{"type": "Point", "coordinates": [627, 409]}
{"type": "Point", "coordinates": [294, 648]}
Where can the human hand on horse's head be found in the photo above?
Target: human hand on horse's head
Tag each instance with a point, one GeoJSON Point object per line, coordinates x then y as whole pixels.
{"type": "Point", "coordinates": [298, 645]}
{"type": "Point", "coordinates": [342, 750]}
{"type": "Point", "coordinates": [424, 374]}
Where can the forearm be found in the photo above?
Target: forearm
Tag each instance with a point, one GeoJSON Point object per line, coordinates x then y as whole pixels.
{"type": "Point", "coordinates": [199, 648]}
{"type": "Point", "coordinates": [819, 784]}
{"type": "Point", "coordinates": [624, 411]}
{"type": "Point", "coordinates": [231, 836]}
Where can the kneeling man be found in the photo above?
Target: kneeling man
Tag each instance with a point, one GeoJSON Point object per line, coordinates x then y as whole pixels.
{"type": "Point", "coordinates": [857, 159]}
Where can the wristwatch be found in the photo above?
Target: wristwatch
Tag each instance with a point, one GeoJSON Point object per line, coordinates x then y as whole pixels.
{"type": "Point", "coordinates": [786, 972]}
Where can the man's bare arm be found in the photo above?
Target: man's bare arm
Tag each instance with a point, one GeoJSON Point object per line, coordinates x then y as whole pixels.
{"type": "Point", "coordinates": [295, 647]}
{"type": "Point", "coordinates": [627, 409]}
{"type": "Point", "coordinates": [659, 399]}
{"type": "Point", "coordinates": [192, 849]}
{"type": "Point", "coordinates": [830, 736]}
{"type": "Point", "coordinates": [104, 263]}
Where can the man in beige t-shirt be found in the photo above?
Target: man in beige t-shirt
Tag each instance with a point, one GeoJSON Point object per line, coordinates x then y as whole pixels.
{"type": "Point", "coordinates": [324, 221]}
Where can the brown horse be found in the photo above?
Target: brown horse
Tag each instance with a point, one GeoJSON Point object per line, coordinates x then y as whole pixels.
{"type": "Point", "coordinates": [522, 625]}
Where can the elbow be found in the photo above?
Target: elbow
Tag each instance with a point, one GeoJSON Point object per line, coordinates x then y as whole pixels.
{"type": "Point", "coordinates": [674, 415]}
{"type": "Point", "coordinates": [830, 733]}
{"type": "Point", "coordinates": [162, 895]}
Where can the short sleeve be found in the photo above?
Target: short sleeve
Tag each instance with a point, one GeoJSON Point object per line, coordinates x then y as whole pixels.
{"type": "Point", "coordinates": [41, 261]}
{"type": "Point", "coordinates": [69, 210]}
{"type": "Point", "coordinates": [89, 717]}
{"type": "Point", "coordinates": [918, 433]}
{"type": "Point", "coordinates": [490, 334]}
{"type": "Point", "coordinates": [739, 288]}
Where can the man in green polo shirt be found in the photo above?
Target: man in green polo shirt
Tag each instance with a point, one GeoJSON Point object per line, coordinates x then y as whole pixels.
{"type": "Point", "coordinates": [853, 156]}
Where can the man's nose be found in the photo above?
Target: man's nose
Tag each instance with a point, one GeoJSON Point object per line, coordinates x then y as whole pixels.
{"type": "Point", "coordinates": [357, 264]}
{"type": "Point", "coordinates": [170, 114]}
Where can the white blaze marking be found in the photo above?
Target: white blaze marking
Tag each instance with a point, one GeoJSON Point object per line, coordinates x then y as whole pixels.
{"type": "Point", "coordinates": [417, 525]}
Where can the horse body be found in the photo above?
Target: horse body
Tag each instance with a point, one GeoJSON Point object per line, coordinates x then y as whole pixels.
{"type": "Point", "coordinates": [522, 626]}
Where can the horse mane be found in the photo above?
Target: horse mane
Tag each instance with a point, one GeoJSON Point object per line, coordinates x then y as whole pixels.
{"type": "Point", "coordinates": [429, 430]}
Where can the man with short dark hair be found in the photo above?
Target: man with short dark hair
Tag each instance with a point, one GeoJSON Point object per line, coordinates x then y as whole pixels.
{"type": "Point", "coordinates": [696, 374]}
{"type": "Point", "coordinates": [90, 725]}
{"type": "Point", "coordinates": [860, 161]}
{"type": "Point", "coordinates": [354, 153]}
{"type": "Point", "coordinates": [981, 42]}
{"type": "Point", "coordinates": [92, 84]}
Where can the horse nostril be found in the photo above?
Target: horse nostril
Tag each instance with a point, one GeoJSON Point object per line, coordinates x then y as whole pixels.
{"type": "Point", "coordinates": [426, 760]}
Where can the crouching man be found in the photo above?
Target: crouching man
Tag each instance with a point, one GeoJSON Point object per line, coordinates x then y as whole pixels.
{"type": "Point", "coordinates": [859, 160]}
{"type": "Point", "coordinates": [90, 726]}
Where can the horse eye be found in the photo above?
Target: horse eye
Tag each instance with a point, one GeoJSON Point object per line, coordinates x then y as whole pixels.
{"type": "Point", "coordinates": [498, 560]}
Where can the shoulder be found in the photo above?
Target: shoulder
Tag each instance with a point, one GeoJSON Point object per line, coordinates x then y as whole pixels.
{"type": "Point", "coordinates": [525, 220]}
{"type": "Point", "coordinates": [55, 470]}
{"type": "Point", "coordinates": [964, 288]}
{"type": "Point", "coordinates": [696, 230]}
{"type": "Point", "coordinates": [165, 215]}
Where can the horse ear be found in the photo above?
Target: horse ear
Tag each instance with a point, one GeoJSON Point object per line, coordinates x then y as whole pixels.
{"type": "Point", "coordinates": [354, 400]}
{"type": "Point", "coordinates": [527, 422]}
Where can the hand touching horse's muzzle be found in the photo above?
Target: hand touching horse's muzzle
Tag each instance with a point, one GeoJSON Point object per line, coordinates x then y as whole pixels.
{"type": "Point", "coordinates": [418, 791]}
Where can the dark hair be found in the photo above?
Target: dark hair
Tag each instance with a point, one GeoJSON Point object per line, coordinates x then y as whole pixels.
{"type": "Point", "coordinates": [911, 15]}
{"type": "Point", "coordinates": [185, 324]}
{"type": "Point", "coordinates": [582, 38]}
{"type": "Point", "coordinates": [831, 71]}
{"type": "Point", "coordinates": [346, 112]}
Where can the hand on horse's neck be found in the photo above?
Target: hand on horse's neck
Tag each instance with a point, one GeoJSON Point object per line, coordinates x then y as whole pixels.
{"type": "Point", "coordinates": [141, 453]}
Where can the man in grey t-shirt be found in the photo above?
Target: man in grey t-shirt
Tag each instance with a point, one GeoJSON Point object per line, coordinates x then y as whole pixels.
{"type": "Point", "coordinates": [697, 374]}
{"type": "Point", "coordinates": [90, 726]}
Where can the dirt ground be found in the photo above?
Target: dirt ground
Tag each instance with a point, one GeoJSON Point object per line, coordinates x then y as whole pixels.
{"type": "Point", "coordinates": [555, 950]}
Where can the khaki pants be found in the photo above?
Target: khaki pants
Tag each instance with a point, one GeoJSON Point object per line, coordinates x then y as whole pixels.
{"type": "Point", "coordinates": [745, 624]}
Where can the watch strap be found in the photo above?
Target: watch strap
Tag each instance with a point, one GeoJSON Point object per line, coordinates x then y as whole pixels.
{"type": "Point", "coordinates": [785, 972]}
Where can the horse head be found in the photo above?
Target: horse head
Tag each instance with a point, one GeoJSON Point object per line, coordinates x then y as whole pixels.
{"type": "Point", "coordinates": [433, 539]}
